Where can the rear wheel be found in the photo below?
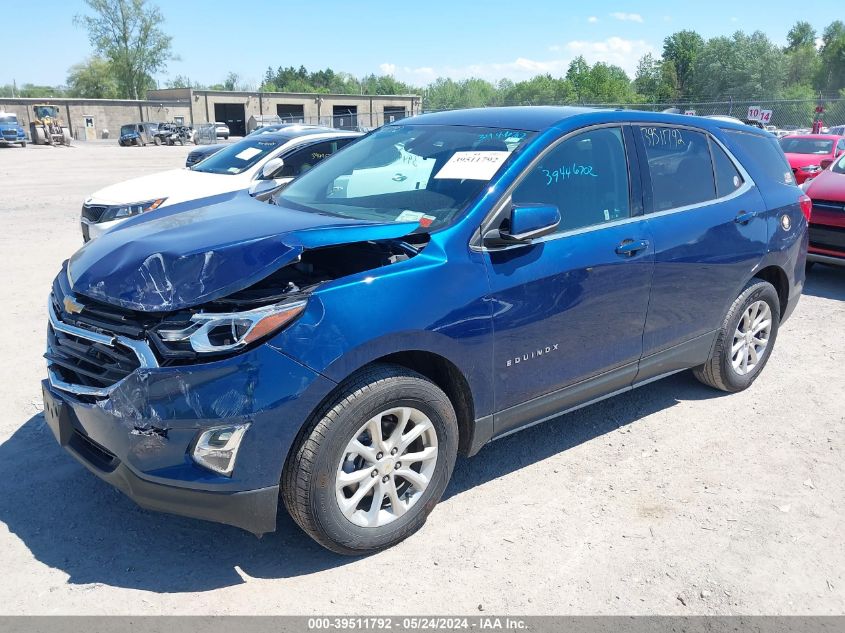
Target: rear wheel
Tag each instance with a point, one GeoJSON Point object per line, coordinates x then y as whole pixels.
{"type": "Point", "coordinates": [373, 462]}
{"type": "Point", "coordinates": [157, 140]}
{"type": "Point", "coordinates": [745, 340]}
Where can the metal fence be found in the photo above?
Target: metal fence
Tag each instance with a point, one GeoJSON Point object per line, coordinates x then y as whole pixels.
{"type": "Point", "coordinates": [789, 114]}
{"type": "Point", "coordinates": [785, 113]}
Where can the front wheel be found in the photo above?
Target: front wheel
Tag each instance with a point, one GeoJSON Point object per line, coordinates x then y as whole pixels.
{"type": "Point", "coordinates": [373, 462]}
{"type": "Point", "coordinates": [745, 340]}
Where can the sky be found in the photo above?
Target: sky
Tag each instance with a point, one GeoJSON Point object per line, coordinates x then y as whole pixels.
{"type": "Point", "coordinates": [414, 41]}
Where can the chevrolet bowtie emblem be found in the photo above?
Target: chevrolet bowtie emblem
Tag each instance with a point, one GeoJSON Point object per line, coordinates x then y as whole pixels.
{"type": "Point", "coordinates": [72, 306]}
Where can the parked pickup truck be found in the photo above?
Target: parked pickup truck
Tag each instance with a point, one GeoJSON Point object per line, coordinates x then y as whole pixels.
{"type": "Point", "coordinates": [11, 132]}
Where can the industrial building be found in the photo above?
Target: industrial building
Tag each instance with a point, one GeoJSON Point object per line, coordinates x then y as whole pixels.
{"type": "Point", "coordinates": [90, 119]}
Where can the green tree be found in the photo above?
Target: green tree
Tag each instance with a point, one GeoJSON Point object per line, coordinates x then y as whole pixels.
{"type": "Point", "coordinates": [31, 90]}
{"type": "Point", "coordinates": [832, 72]}
{"type": "Point", "coordinates": [92, 79]}
{"type": "Point", "coordinates": [183, 81]}
{"type": "Point", "coordinates": [682, 49]}
{"type": "Point", "coordinates": [742, 66]}
{"type": "Point", "coordinates": [798, 108]}
{"type": "Point", "coordinates": [656, 80]}
{"type": "Point", "coordinates": [801, 34]}
{"type": "Point", "coordinates": [127, 34]}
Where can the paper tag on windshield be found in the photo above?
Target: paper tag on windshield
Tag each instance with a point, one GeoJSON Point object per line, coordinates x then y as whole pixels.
{"type": "Point", "coordinates": [472, 165]}
{"type": "Point", "coordinates": [248, 153]}
{"type": "Point", "coordinates": [409, 216]}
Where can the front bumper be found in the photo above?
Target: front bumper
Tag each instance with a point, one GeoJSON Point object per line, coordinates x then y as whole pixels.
{"type": "Point", "coordinates": [251, 510]}
{"type": "Point", "coordinates": [92, 230]}
{"type": "Point", "coordinates": [11, 141]}
{"type": "Point", "coordinates": [140, 435]}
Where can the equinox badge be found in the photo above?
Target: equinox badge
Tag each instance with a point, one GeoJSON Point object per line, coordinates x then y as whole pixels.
{"type": "Point", "coordinates": [531, 355]}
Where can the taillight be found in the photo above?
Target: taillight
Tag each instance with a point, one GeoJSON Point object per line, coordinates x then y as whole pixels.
{"type": "Point", "coordinates": [806, 205]}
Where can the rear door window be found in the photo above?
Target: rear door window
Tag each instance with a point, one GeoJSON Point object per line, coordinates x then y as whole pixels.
{"type": "Point", "coordinates": [679, 166]}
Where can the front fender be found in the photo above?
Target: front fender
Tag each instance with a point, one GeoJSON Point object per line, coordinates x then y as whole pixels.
{"type": "Point", "coordinates": [437, 309]}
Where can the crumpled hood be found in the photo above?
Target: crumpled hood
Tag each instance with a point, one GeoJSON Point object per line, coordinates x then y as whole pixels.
{"type": "Point", "coordinates": [181, 256]}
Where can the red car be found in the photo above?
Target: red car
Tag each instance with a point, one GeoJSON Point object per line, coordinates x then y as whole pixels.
{"type": "Point", "coordinates": [827, 222]}
{"type": "Point", "coordinates": [810, 154]}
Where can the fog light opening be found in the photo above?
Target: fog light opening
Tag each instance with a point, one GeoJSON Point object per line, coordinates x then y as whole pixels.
{"type": "Point", "coordinates": [217, 448]}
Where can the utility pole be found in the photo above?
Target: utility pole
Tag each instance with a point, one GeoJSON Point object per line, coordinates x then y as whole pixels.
{"type": "Point", "coordinates": [14, 88]}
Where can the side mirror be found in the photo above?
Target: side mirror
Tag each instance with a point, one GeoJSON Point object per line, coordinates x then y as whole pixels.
{"type": "Point", "coordinates": [271, 166]}
{"type": "Point", "coordinates": [827, 162]}
{"type": "Point", "coordinates": [264, 189]}
{"type": "Point", "coordinates": [527, 222]}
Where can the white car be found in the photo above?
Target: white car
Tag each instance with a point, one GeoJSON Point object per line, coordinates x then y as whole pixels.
{"type": "Point", "coordinates": [221, 130]}
{"type": "Point", "coordinates": [262, 164]}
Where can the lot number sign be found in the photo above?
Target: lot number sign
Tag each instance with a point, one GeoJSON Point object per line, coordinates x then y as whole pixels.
{"type": "Point", "coordinates": [756, 114]}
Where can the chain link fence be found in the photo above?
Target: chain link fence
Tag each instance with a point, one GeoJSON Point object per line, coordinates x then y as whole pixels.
{"type": "Point", "coordinates": [787, 114]}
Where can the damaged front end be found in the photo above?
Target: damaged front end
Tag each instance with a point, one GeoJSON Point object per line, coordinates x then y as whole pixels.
{"type": "Point", "coordinates": [169, 393]}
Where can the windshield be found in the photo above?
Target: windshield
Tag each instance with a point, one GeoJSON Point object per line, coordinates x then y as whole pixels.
{"type": "Point", "coordinates": [237, 158]}
{"type": "Point", "coordinates": [406, 173]}
{"type": "Point", "coordinates": [839, 166]}
{"type": "Point", "coordinates": [806, 146]}
{"type": "Point", "coordinates": [127, 129]}
{"type": "Point", "coordinates": [8, 118]}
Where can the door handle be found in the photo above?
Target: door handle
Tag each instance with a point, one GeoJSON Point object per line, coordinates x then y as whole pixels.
{"type": "Point", "coordinates": [744, 217]}
{"type": "Point", "coordinates": [629, 248]}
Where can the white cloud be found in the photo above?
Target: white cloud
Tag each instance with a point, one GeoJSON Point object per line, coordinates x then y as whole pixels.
{"type": "Point", "coordinates": [387, 69]}
{"type": "Point", "coordinates": [592, 19]}
{"type": "Point", "coordinates": [613, 50]}
{"type": "Point", "coordinates": [667, 18]}
{"type": "Point", "coordinates": [819, 43]}
{"type": "Point", "coordinates": [734, 19]}
{"type": "Point", "coordinates": [627, 17]}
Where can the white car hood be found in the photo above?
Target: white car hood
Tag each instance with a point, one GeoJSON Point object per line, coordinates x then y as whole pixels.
{"type": "Point", "coordinates": [177, 185]}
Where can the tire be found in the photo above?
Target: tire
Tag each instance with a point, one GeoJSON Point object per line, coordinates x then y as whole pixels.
{"type": "Point", "coordinates": [157, 140]}
{"type": "Point", "coordinates": [309, 480]}
{"type": "Point", "coordinates": [23, 143]}
{"type": "Point", "coordinates": [720, 371]}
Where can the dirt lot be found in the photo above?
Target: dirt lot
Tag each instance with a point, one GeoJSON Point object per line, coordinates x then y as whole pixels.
{"type": "Point", "coordinates": [674, 499]}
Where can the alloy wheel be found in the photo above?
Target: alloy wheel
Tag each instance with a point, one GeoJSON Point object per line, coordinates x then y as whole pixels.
{"type": "Point", "coordinates": [751, 337]}
{"type": "Point", "coordinates": [386, 467]}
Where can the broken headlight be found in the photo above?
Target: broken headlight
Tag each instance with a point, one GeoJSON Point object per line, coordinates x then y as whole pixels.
{"type": "Point", "coordinates": [210, 332]}
{"type": "Point", "coordinates": [122, 211]}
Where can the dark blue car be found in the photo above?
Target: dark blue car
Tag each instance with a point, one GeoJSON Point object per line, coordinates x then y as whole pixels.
{"type": "Point", "coordinates": [443, 282]}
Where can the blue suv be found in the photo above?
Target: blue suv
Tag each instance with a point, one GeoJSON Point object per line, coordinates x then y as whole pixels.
{"type": "Point", "coordinates": [444, 281]}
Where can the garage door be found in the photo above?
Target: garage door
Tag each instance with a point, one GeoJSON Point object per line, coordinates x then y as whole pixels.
{"type": "Point", "coordinates": [233, 115]}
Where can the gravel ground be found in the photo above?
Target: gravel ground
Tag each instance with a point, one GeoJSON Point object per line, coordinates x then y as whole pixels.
{"type": "Point", "coordinates": [673, 499]}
